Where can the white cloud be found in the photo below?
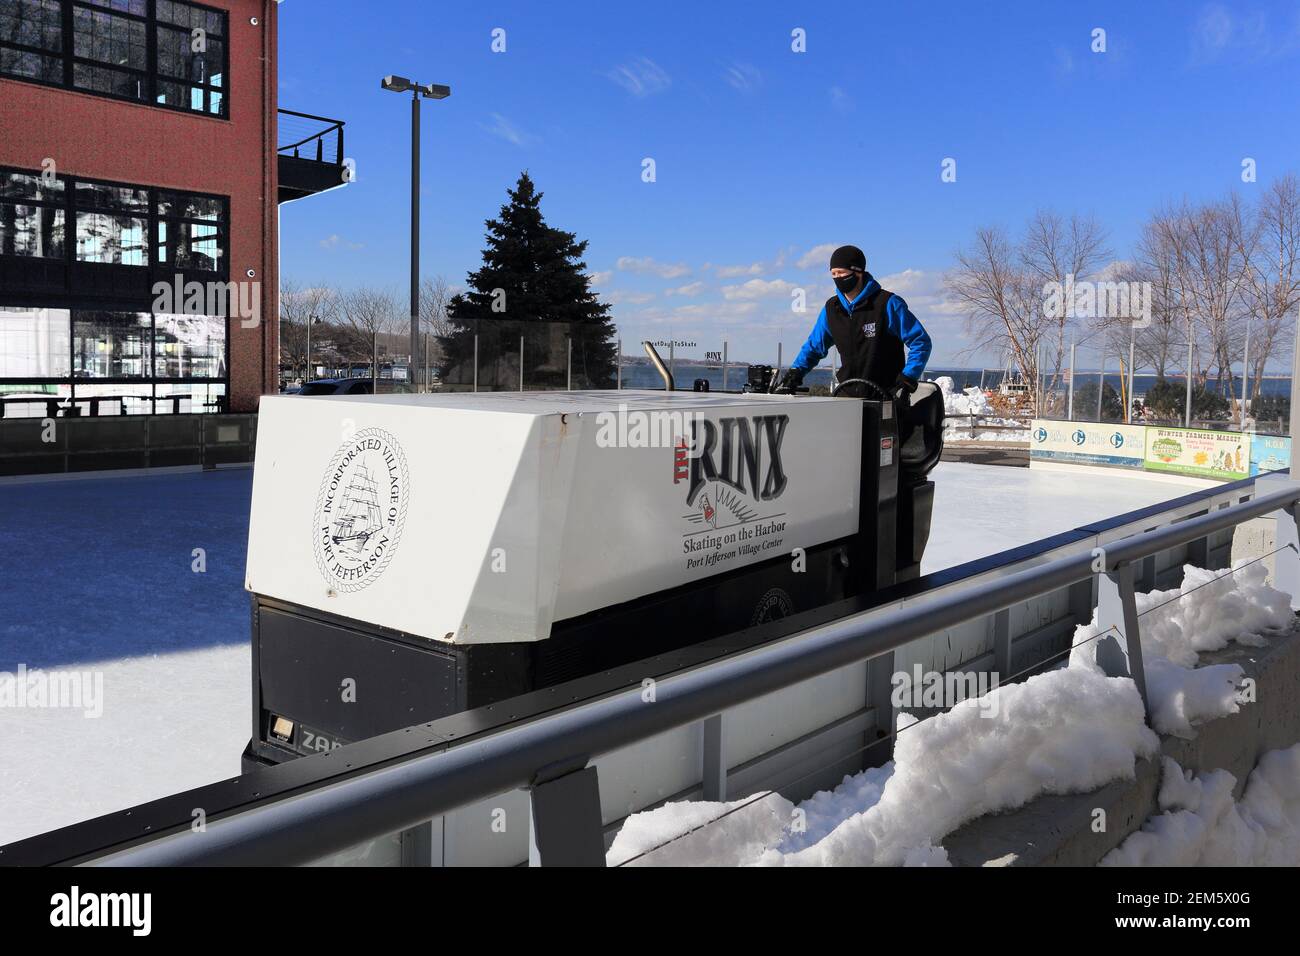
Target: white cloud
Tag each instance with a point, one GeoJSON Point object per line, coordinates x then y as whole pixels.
{"type": "Point", "coordinates": [626, 297]}
{"type": "Point", "coordinates": [335, 241]}
{"type": "Point", "coordinates": [757, 289]}
{"type": "Point", "coordinates": [1222, 34]}
{"type": "Point", "coordinates": [646, 265]}
{"type": "Point", "coordinates": [690, 290]}
{"type": "Point", "coordinates": [600, 278]}
{"type": "Point", "coordinates": [508, 131]}
{"type": "Point", "coordinates": [734, 272]}
{"type": "Point", "coordinates": [818, 257]}
{"type": "Point", "coordinates": [743, 77]}
{"type": "Point", "coordinates": [641, 77]}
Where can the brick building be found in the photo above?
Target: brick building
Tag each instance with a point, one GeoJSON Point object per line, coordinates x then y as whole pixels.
{"type": "Point", "coordinates": [139, 154]}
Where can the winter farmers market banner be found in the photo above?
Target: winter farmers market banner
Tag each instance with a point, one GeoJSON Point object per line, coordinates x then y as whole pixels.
{"type": "Point", "coordinates": [1199, 453]}
{"type": "Point", "coordinates": [1087, 443]}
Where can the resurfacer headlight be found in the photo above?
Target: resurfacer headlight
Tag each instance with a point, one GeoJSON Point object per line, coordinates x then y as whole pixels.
{"type": "Point", "coordinates": [282, 728]}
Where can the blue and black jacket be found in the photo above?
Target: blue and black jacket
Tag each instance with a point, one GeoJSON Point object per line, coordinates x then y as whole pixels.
{"type": "Point", "coordinates": [872, 332]}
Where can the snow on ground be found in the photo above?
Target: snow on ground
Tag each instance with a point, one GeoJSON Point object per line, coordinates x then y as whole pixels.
{"type": "Point", "coordinates": [1209, 611]}
{"type": "Point", "coordinates": [1202, 825]}
{"type": "Point", "coordinates": [97, 575]}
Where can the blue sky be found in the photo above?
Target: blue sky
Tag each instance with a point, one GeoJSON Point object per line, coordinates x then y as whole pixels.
{"type": "Point", "coordinates": [763, 156]}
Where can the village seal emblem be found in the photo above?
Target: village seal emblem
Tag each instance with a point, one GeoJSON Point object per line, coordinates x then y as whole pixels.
{"type": "Point", "coordinates": [360, 510]}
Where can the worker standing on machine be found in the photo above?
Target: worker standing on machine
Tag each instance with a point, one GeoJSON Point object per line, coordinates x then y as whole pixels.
{"type": "Point", "coordinates": [871, 327]}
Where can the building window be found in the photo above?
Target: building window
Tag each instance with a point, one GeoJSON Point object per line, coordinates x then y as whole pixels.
{"type": "Point", "coordinates": [189, 346]}
{"type": "Point", "coordinates": [191, 57]}
{"type": "Point", "coordinates": [191, 232]}
{"type": "Point", "coordinates": [31, 216]}
{"type": "Point", "coordinates": [34, 343]}
{"type": "Point", "coordinates": [112, 224]}
{"type": "Point", "coordinates": [111, 344]}
{"type": "Point", "coordinates": [164, 52]}
{"type": "Point", "coordinates": [48, 220]}
{"type": "Point", "coordinates": [111, 347]}
{"type": "Point", "coordinates": [31, 40]}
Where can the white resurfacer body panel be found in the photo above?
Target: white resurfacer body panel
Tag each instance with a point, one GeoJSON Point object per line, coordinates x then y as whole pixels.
{"type": "Point", "coordinates": [487, 517]}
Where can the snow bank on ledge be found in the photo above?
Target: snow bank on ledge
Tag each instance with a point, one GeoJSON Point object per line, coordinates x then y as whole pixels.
{"type": "Point", "coordinates": [1209, 611]}
{"type": "Point", "coordinates": [1202, 825]}
{"type": "Point", "coordinates": [1069, 730]}
{"type": "Point", "coordinates": [1060, 732]}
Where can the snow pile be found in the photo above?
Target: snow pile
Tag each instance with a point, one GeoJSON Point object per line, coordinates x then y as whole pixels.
{"type": "Point", "coordinates": [1202, 825]}
{"type": "Point", "coordinates": [748, 828]}
{"type": "Point", "coordinates": [1060, 732]}
{"type": "Point", "coordinates": [1210, 610]}
{"type": "Point", "coordinates": [973, 401]}
{"type": "Point", "coordinates": [970, 401]}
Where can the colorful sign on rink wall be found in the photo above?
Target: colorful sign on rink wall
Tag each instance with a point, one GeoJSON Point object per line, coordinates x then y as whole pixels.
{"type": "Point", "coordinates": [1269, 453]}
{"type": "Point", "coordinates": [1087, 443]}
{"type": "Point", "coordinates": [1199, 453]}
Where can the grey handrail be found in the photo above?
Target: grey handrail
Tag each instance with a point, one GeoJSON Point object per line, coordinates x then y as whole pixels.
{"type": "Point", "coordinates": [314, 824]}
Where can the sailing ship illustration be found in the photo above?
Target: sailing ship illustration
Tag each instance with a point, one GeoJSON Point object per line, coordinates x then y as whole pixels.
{"type": "Point", "coordinates": [359, 517]}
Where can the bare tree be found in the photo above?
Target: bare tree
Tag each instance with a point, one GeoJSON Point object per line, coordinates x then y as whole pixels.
{"type": "Point", "coordinates": [1053, 249]}
{"type": "Point", "coordinates": [1273, 277]}
{"type": "Point", "coordinates": [1214, 244]}
{"type": "Point", "coordinates": [1156, 262]}
{"type": "Point", "coordinates": [300, 305]}
{"type": "Point", "coordinates": [368, 314]}
{"type": "Point", "coordinates": [435, 293]}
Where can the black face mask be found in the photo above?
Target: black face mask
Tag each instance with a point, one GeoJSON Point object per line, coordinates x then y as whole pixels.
{"type": "Point", "coordinates": [848, 283]}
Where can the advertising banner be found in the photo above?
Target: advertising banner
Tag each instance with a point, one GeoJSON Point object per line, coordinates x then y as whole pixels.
{"type": "Point", "coordinates": [1269, 453]}
{"type": "Point", "coordinates": [1198, 453]}
{"type": "Point", "coordinates": [1087, 443]}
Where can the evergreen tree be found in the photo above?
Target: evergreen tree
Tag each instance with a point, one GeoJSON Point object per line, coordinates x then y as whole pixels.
{"type": "Point", "coordinates": [1166, 401]}
{"type": "Point", "coordinates": [532, 277]}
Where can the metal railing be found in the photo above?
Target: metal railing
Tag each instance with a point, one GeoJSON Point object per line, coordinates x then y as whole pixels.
{"type": "Point", "coordinates": [1002, 424]}
{"type": "Point", "coordinates": [305, 136]}
{"type": "Point", "coordinates": [551, 756]}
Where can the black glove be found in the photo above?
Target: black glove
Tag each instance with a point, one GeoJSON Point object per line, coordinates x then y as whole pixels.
{"type": "Point", "coordinates": [904, 387]}
{"type": "Point", "coordinates": [790, 384]}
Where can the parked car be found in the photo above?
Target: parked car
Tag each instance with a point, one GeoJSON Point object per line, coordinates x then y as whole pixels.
{"type": "Point", "coordinates": [352, 386]}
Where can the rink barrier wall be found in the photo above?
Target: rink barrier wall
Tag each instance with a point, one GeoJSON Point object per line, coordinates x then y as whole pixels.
{"type": "Point", "coordinates": [418, 796]}
{"type": "Point", "coordinates": [1191, 452]}
{"type": "Point", "coordinates": [36, 446]}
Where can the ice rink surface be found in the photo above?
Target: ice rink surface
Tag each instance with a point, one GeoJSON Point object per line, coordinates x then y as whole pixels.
{"type": "Point", "coordinates": [101, 575]}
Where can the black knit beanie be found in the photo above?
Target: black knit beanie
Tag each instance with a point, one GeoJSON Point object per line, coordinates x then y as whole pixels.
{"type": "Point", "coordinates": [849, 257]}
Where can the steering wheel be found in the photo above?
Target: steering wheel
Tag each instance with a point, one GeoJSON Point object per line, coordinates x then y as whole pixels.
{"type": "Point", "coordinates": [883, 396]}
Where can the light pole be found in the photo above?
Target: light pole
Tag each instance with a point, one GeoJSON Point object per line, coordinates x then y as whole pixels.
{"type": "Point", "coordinates": [433, 91]}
